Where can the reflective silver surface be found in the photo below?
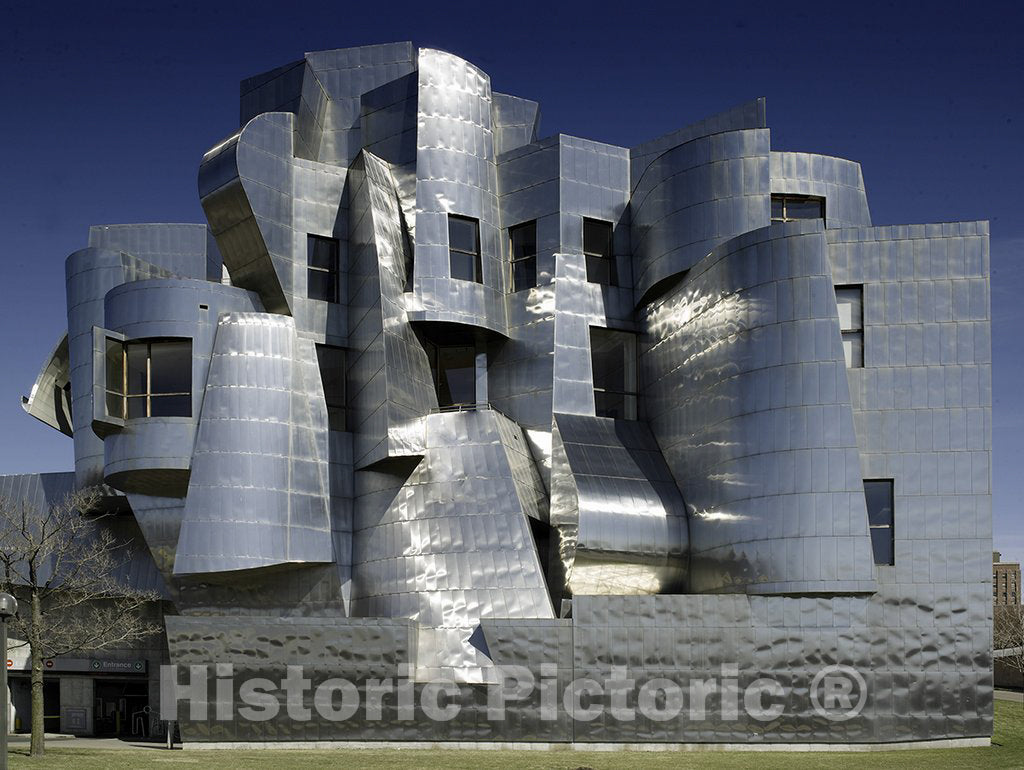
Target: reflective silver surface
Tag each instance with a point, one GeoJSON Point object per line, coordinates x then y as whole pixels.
{"type": "Point", "coordinates": [365, 529]}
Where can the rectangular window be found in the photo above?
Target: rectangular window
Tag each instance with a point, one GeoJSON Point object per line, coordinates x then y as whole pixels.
{"type": "Point", "coordinates": [322, 268]}
{"type": "Point", "coordinates": [454, 371]}
{"type": "Point", "coordinates": [599, 252]}
{"type": "Point", "coordinates": [878, 494]}
{"type": "Point", "coordinates": [332, 374]}
{"type": "Point", "coordinates": [613, 360]}
{"type": "Point", "coordinates": [523, 239]}
{"type": "Point", "coordinates": [464, 248]}
{"type": "Point", "coordinates": [149, 378]}
{"type": "Point", "coordinates": [791, 208]}
{"type": "Point", "coordinates": [850, 302]}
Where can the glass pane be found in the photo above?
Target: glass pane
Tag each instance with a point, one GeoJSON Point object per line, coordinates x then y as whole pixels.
{"type": "Point", "coordinates": [881, 544]}
{"type": "Point", "coordinates": [462, 234]}
{"type": "Point", "coordinates": [609, 404]}
{"type": "Point", "coordinates": [115, 366]}
{"type": "Point", "coordinates": [524, 274]}
{"type": "Point", "coordinates": [601, 270]}
{"type": "Point", "coordinates": [115, 405]}
{"type": "Point", "coordinates": [170, 367]}
{"type": "Point", "coordinates": [524, 240]}
{"type": "Point", "coordinates": [332, 372]}
{"type": "Point", "coordinates": [136, 407]}
{"type": "Point", "coordinates": [323, 253]}
{"type": "Point", "coordinates": [613, 359]}
{"type": "Point", "coordinates": [597, 237]}
{"type": "Point", "coordinates": [849, 301]}
{"type": "Point", "coordinates": [805, 209]}
{"type": "Point", "coordinates": [463, 266]}
{"type": "Point", "coordinates": [853, 349]}
{"type": "Point", "coordinates": [878, 496]}
{"type": "Point", "coordinates": [778, 212]}
{"type": "Point", "coordinates": [456, 375]}
{"type": "Point", "coordinates": [321, 285]}
{"type": "Point", "coordinates": [136, 353]}
{"type": "Point", "coordinates": [171, 406]}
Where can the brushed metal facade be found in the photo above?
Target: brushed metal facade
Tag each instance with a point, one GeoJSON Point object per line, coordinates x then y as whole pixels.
{"type": "Point", "coordinates": [372, 524]}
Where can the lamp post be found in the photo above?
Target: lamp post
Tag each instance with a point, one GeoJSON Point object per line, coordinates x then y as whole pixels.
{"type": "Point", "coordinates": [8, 609]}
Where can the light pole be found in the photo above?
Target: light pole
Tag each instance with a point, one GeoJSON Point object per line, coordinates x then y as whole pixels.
{"type": "Point", "coordinates": [8, 609]}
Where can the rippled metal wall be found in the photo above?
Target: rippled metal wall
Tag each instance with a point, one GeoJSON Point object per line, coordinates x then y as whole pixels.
{"type": "Point", "coordinates": [723, 530]}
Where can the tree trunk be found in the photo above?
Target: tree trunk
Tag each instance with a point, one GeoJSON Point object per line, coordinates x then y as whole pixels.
{"type": "Point", "coordinates": [36, 650]}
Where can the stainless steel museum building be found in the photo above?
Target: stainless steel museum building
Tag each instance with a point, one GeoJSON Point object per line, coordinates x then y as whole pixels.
{"type": "Point", "coordinates": [429, 399]}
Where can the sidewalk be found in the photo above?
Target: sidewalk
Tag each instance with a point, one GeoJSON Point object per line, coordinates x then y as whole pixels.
{"type": "Point", "coordinates": [71, 741]}
{"type": "Point", "coordinates": [1009, 695]}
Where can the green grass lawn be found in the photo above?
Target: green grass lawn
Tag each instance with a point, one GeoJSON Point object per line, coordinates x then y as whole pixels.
{"type": "Point", "coordinates": [1007, 750]}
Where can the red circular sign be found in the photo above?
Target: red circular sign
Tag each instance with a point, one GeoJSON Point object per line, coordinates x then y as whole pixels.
{"type": "Point", "coordinates": [9, 663]}
{"type": "Point", "coordinates": [49, 664]}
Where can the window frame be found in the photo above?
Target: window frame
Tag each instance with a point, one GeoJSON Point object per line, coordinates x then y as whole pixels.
{"type": "Point", "coordinates": [891, 525]}
{"type": "Point", "coordinates": [514, 261]}
{"type": "Point", "coordinates": [785, 198]}
{"type": "Point", "coordinates": [146, 397]}
{"type": "Point", "coordinates": [606, 258]}
{"type": "Point", "coordinates": [631, 374]}
{"type": "Point", "coordinates": [478, 270]}
{"type": "Point", "coordinates": [853, 332]}
{"type": "Point", "coordinates": [332, 270]}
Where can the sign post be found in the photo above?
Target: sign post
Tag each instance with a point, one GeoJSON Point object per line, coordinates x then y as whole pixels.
{"type": "Point", "coordinates": [8, 608]}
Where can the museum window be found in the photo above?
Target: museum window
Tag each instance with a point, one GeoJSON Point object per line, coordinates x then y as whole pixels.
{"type": "Point", "coordinates": [600, 256]}
{"type": "Point", "coordinates": [878, 494]}
{"type": "Point", "coordinates": [332, 374]}
{"type": "Point", "coordinates": [523, 250]}
{"type": "Point", "coordinates": [322, 268]}
{"type": "Point", "coordinates": [453, 368]}
{"type": "Point", "coordinates": [792, 208]}
{"type": "Point", "coordinates": [464, 248]}
{"type": "Point", "coordinates": [850, 302]}
{"type": "Point", "coordinates": [149, 378]}
{"type": "Point", "coordinates": [613, 360]}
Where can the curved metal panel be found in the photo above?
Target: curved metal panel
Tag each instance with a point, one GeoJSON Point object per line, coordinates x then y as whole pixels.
{"type": "Point", "coordinates": [48, 401]}
{"type": "Point", "coordinates": [153, 454]}
{"type": "Point", "coordinates": [748, 398]}
{"type": "Point", "coordinates": [258, 492]}
{"type": "Point", "coordinates": [837, 180]}
{"type": "Point", "coordinates": [695, 196]}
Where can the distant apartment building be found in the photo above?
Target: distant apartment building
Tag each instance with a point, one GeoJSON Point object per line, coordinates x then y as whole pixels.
{"type": "Point", "coordinates": [1005, 580]}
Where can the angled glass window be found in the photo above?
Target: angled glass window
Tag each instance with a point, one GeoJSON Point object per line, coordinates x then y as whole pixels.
{"type": "Point", "coordinates": [613, 359]}
{"type": "Point", "coordinates": [322, 268]}
{"type": "Point", "coordinates": [523, 240]}
{"type": "Point", "coordinates": [454, 371]}
{"type": "Point", "coordinates": [597, 248]}
{"type": "Point", "coordinates": [149, 378]}
{"type": "Point", "coordinates": [850, 303]}
{"type": "Point", "coordinates": [878, 494]}
{"type": "Point", "coordinates": [464, 248]}
{"type": "Point", "coordinates": [332, 374]}
{"type": "Point", "coordinates": [790, 208]}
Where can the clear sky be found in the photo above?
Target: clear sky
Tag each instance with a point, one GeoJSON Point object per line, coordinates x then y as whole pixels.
{"type": "Point", "coordinates": [109, 112]}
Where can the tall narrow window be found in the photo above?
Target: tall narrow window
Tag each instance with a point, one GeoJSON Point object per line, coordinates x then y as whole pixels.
{"type": "Point", "coordinates": [454, 371]}
{"type": "Point", "coordinates": [332, 373]}
{"type": "Point", "coordinates": [149, 378]}
{"type": "Point", "coordinates": [790, 208]}
{"type": "Point", "coordinates": [523, 239]}
{"type": "Point", "coordinates": [878, 494]}
{"type": "Point", "coordinates": [597, 248]}
{"type": "Point", "coordinates": [464, 248]}
{"type": "Point", "coordinates": [850, 301]}
{"type": "Point", "coordinates": [322, 272]}
{"type": "Point", "coordinates": [613, 359]}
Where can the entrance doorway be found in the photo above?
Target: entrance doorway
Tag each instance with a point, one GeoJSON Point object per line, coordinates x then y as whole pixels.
{"type": "Point", "coordinates": [121, 708]}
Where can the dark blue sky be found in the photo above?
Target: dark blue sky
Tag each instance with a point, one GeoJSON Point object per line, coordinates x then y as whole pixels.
{"type": "Point", "coordinates": [109, 112]}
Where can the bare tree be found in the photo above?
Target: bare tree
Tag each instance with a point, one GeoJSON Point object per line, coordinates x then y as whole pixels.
{"type": "Point", "coordinates": [1008, 636]}
{"type": "Point", "coordinates": [62, 565]}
